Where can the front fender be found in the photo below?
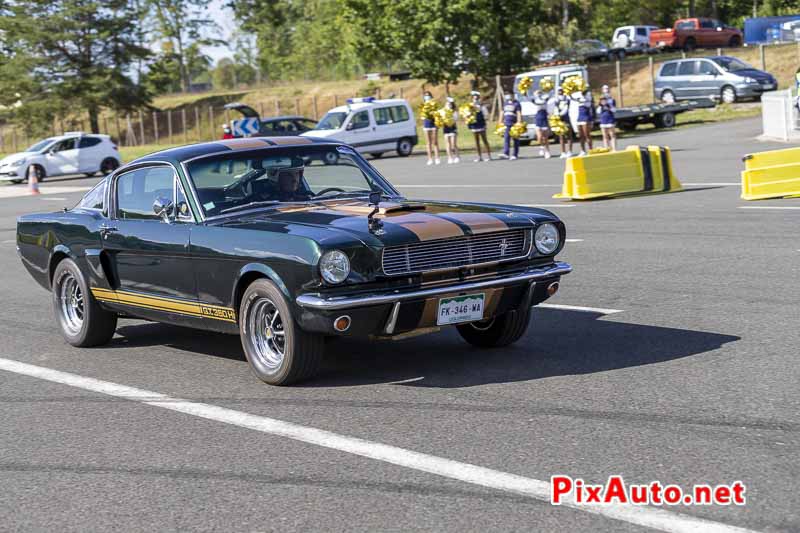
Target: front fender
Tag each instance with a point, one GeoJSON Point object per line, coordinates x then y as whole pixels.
{"type": "Point", "coordinates": [252, 271]}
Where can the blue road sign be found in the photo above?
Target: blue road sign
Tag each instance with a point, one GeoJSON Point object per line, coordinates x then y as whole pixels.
{"type": "Point", "coordinates": [244, 127]}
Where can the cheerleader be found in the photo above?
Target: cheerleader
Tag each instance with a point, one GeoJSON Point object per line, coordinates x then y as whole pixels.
{"type": "Point", "coordinates": [431, 134]}
{"type": "Point", "coordinates": [541, 102]}
{"type": "Point", "coordinates": [606, 111]}
{"type": "Point", "coordinates": [512, 113]}
{"type": "Point", "coordinates": [478, 127]}
{"type": "Point", "coordinates": [580, 114]}
{"type": "Point", "coordinates": [451, 133]}
{"type": "Point", "coordinates": [560, 105]}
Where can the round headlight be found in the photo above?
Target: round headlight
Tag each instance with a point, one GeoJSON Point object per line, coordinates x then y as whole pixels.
{"type": "Point", "coordinates": [334, 266]}
{"type": "Point", "coordinates": [546, 238]}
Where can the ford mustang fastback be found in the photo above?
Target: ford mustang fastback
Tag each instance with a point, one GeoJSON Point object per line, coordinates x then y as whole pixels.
{"type": "Point", "coordinates": [286, 241]}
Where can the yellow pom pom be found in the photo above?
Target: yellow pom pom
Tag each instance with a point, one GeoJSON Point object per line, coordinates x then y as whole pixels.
{"type": "Point", "coordinates": [517, 130]}
{"type": "Point", "coordinates": [524, 84]}
{"type": "Point", "coordinates": [469, 113]}
{"type": "Point", "coordinates": [547, 84]}
{"type": "Point", "coordinates": [428, 110]}
{"type": "Point", "coordinates": [574, 84]}
{"type": "Point", "coordinates": [444, 117]}
{"type": "Point", "coordinates": [500, 129]}
{"type": "Point", "coordinates": [557, 126]}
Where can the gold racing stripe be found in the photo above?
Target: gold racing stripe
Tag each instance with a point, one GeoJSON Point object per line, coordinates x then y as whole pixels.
{"type": "Point", "coordinates": [160, 303]}
{"type": "Point", "coordinates": [245, 143]}
{"type": "Point", "coordinates": [478, 222]}
{"type": "Point", "coordinates": [288, 140]}
{"type": "Point", "coordinates": [426, 227]}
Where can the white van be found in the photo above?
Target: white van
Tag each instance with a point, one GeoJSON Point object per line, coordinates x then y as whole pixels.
{"type": "Point", "coordinates": [370, 126]}
{"type": "Point", "coordinates": [558, 74]}
{"type": "Point", "coordinates": [632, 38]}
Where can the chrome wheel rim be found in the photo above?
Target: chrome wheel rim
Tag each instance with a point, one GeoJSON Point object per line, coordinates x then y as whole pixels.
{"type": "Point", "coordinates": [267, 334]}
{"type": "Point", "coordinates": [72, 304]}
{"type": "Point", "coordinates": [728, 96]}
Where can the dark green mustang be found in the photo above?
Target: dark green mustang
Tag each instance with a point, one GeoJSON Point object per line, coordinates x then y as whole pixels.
{"type": "Point", "coordinates": [285, 241]}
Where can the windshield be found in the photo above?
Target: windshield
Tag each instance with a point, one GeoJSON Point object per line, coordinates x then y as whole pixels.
{"type": "Point", "coordinates": [41, 145]}
{"type": "Point", "coordinates": [731, 64]}
{"type": "Point", "coordinates": [332, 121]}
{"type": "Point", "coordinates": [227, 183]}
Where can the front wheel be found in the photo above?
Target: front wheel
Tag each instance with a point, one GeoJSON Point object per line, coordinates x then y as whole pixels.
{"type": "Point", "coordinates": [404, 147]}
{"type": "Point", "coordinates": [496, 332]}
{"type": "Point", "coordinates": [668, 97]}
{"type": "Point", "coordinates": [728, 94]}
{"type": "Point", "coordinates": [82, 321]}
{"type": "Point", "coordinates": [665, 120]}
{"type": "Point", "coordinates": [279, 352]}
{"type": "Point", "coordinates": [376, 155]}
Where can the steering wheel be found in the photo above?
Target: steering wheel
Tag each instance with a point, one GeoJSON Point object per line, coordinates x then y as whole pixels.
{"type": "Point", "coordinates": [329, 189]}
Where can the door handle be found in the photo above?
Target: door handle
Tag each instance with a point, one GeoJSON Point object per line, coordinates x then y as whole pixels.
{"type": "Point", "coordinates": [106, 230]}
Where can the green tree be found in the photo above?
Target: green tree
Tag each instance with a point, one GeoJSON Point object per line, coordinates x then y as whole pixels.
{"type": "Point", "coordinates": [70, 54]}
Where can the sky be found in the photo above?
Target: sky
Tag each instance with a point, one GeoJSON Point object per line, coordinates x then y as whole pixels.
{"type": "Point", "coordinates": [224, 19]}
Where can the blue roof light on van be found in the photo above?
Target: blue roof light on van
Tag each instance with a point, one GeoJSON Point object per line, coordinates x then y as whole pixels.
{"type": "Point", "coordinates": [362, 100]}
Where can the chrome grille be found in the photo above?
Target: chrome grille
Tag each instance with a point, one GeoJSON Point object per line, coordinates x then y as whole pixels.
{"type": "Point", "coordinates": [443, 254]}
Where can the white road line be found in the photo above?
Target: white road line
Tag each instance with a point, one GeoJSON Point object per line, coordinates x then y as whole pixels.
{"type": "Point", "coordinates": [54, 199]}
{"type": "Point", "coordinates": [12, 191]}
{"type": "Point", "coordinates": [714, 184]}
{"type": "Point", "coordinates": [411, 380]}
{"type": "Point", "coordinates": [573, 240]}
{"type": "Point", "coordinates": [546, 205]}
{"type": "Point", "coordinates": [600, 310]}
{"type": "Point", "coordinates": [644, 516]}
{"type": "Point", "coordinates": [769, 207]}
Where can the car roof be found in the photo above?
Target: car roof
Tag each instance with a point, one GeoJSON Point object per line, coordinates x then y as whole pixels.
{"type": "Point", "coordinates": [356, 106]}
{"type": "Point", "coordinates": [286, 117]}
{"type": "Point", "coordinates": [180, 154]}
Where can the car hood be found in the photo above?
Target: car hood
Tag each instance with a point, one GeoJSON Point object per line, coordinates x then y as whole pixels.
{"type": "Point", "coordinates": [753, 73]}
{"type": "Point", "coordinates": [402, 222]}
{"type": "Point", "coordinates": [13, 157]}
{"type": "Point", "coordinates": [322, 134]}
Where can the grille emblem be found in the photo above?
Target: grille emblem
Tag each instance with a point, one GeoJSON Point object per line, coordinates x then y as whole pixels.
{"type": "Point", "coordinates": [503, 247]}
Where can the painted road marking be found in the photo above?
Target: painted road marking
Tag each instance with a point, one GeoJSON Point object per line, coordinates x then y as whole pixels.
{"type": "Point", "coordinates": [573, 240]}
{"type": "Point", "coordinates": [643, 516]}
{"type": "Point", "coordinates": [12, 191]}
{"type": "Point", "coordinates": [411, 380]}
{"type": "Point", "coordinates": [715, 184]}
{"type": "Point", "coordinates": [769, 207]}
{"type": "Point", "coordinates": [600, 310]}
{"type": "Point", "coordinates": [546, 205]}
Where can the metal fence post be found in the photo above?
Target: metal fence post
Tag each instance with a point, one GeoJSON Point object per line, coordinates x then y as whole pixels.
{"type": "Point", "coordinates": [197, 127]}
{"type": "Point", "coordinates": [619, 84]}
{"type": "Point", "coordinates": [719, 51]}
{"type": "Point", "coordinates": [155, 126]}
{"type": "Point", "coordinates": [169, 125]}
{"type": "Point", "coordinates": [141, 128]}
{"type": "Point", "coordinates": [183, 125]}
{"type": "Point", "coordinates": [683, 55]}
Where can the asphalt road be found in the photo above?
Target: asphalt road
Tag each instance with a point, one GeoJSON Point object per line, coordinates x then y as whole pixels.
{"type": "Point", "coordinates": [694, 380]}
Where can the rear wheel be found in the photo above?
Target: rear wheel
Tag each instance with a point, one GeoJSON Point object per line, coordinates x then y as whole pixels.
{"type": "Point", "coordinates": [735, 42]}
{"type": "Point", "coordinates": [498, 331]}
{"type": "Point", "coordinates": [278, 351]}
{"type": "Point", "coordinates": [728, 94]}
{"type": "Point", "coordinates": [627, 126]}
{"type": "Point", "coordinates": [108, 166]}
{"type": "Point", "coordinates": [689, 45]}
{"type": "Point", "coordinates": [330, 158]}
{"type": "Point", "coordinates": [404, 147]}
{"type": "Point", "coordinates": [665, 120]}
{"type": "Point", "coordinates": [82, 321]}
{"type": "Point", "coordinates": [377, 155]}
{"type": "Point", "coordinates": [36, 169]}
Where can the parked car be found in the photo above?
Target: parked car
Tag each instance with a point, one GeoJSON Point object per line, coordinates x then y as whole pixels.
{"type": "Point", "coordinates": [71, 153]}
{"type": "Point", "coordinates": [257, 237]}
{"type": "Point", "coordinates": [371, 126]}
{"type": "Point", "coordinates": [552, 54]}
{"type": "Point", "coordinates": [632, 39]}
{"type": "Point", "coordinates": [688, 34]}
{"type": "Point", "coordinates": [720, 77]}
{"type": "Point", "coordinates": [275, 126]}
{"type": "Point", "coordinates": [591, 50]}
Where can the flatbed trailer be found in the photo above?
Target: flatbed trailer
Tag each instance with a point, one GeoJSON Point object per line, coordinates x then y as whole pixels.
{"type": "Point", "coordinates": [660, 115]}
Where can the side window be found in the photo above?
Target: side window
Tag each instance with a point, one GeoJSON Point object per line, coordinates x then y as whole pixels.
{"type": "Point", "coordinates": [399, 113]}
{"type": "Point", "coordinates": [687, 68]}
{"type": "Point", "coordinates": [88, 142]}
{"type": "Point", "coordinates": [66, 144]}
{"type": "Point", "coordinates": [669, 69]}
{"type": "Point", "coordinates": [182, 210]}
{"type": "Point", "coordinates": [303, 125]}
{"type": "Point", "coordinates": [642, 32]}
{"type": "Point", "coordinates": [360, 120]}
{"type": "Point", "coordinates": [707, 68]}
{"type": "Point", "coordinates": [706, 24]}
{"type": "Point", "coordinates": [137, 191]}
{"type": "Point", "coordinates": [94, 199]}
{"type": "Point", "coordinates": [383, 116]}
{"type": "Point", "coordinates": [685, 25]}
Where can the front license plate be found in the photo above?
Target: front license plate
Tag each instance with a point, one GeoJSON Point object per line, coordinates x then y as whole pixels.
{"type": "Point", "coordinates": [467, 308]}
{"type": "Point", "coordinates": [769, 86]}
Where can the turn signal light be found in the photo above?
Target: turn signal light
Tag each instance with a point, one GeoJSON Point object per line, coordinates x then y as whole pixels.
{"type": "Point", "coordinates": [342, 323]}
{"type": "Point", "coordinates": [552, 288]}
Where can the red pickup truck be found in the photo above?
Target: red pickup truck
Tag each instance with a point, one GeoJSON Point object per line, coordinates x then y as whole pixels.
{"type": "Point", "coordinates": [688, 34]}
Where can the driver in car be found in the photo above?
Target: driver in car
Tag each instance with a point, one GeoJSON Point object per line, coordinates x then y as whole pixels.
{"type": "Point", "coordinates": [288, 186]}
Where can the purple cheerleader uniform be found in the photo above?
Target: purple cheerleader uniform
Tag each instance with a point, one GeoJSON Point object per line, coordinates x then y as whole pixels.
{"type": "Point", "coordinates": [428, 124]}
{"type": "Point", "coordinates": [479, 124]}
{"type": "Point", "coordinates": [607, 118]}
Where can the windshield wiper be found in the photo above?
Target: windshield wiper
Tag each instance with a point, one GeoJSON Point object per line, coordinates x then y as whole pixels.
{"type": "Point", "coordinates": [342, 194]}
{"type": "Point", "coordinates": [251, 204]}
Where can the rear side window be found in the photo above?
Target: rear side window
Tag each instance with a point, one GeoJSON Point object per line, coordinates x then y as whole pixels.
{"type": "Point", "coordinates": [669, 69]}
{"type": "Point", "coordinates": [685, 25]}
{"type": "Point", "coordinates": [138, 190]}
{"type": "Point", "coordinates": [707, 24]}
{"type": "Point", "coordinates": [687, 68]}
{"type": "Point", "coordinates": [383, 116]}
{"type": "Point", "coordinates": [399, 113]}
{"type": "Point", "coordinates": [94, 199]}
{"type": "Point", "coordinates": [88, 142]}
{"type": "Point", "coordinates": [641, 31]}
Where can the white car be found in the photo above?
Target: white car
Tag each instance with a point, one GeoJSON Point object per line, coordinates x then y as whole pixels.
{"type": "Point", "coordinates": [71, 153]}
{"type": "Point", "coordinates": [632, 38]}
{"type": "Point", "coordinates": [370, 126]}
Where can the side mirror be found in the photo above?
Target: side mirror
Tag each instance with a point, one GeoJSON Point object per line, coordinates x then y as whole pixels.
{"type": "Point", "coordinates": [349, 126]}
{"type": "Point", "coordinates": [163, 208]}
{"type": "Point", "coordinates": [375, 198]}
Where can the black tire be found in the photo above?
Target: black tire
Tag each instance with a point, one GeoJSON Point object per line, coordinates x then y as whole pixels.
{"type": "Point", "coordinates": [108, 166]}
{"type": "Point", "coordinates": [330, 158]}
{"type": "Point", "coordinates": [665, 120]}
{"type": "Point", "coordinates": [16, 182]}
{"type": "Point", "coordinates": [735, 42]}
{"type": "Point", "coordinates": [668, 97]}
{"type": "Point", "coordinates": [377, 155]}
{"type": "Point", "coordinates": [689, 45]}
{"type": "Point", "coordinates": [627, 126]}
{"type": "Point", "coordinates": [727, 94]}
{"type": "Point", "coordinates": [405, 147]}
{"type": "Point", "coordinates": [525, 142]}
{"type": "Point", "coordinates": [38, 169]}
{"type": "Point", "coordinates": [500, 331]}
{"type": "Point", "coordinates": [82, 321]}
{"type": "Point", "coordinates": [302, 351]}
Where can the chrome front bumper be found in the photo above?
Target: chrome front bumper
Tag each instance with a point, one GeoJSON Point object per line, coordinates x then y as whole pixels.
{"type": "Point", "coordinates": [334, 303]}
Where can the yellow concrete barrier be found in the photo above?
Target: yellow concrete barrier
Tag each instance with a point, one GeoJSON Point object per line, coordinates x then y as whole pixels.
{"type": "Point", "coordinates": [773, 174]}
{"type": "Point", "coordinates": [636, 170]}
